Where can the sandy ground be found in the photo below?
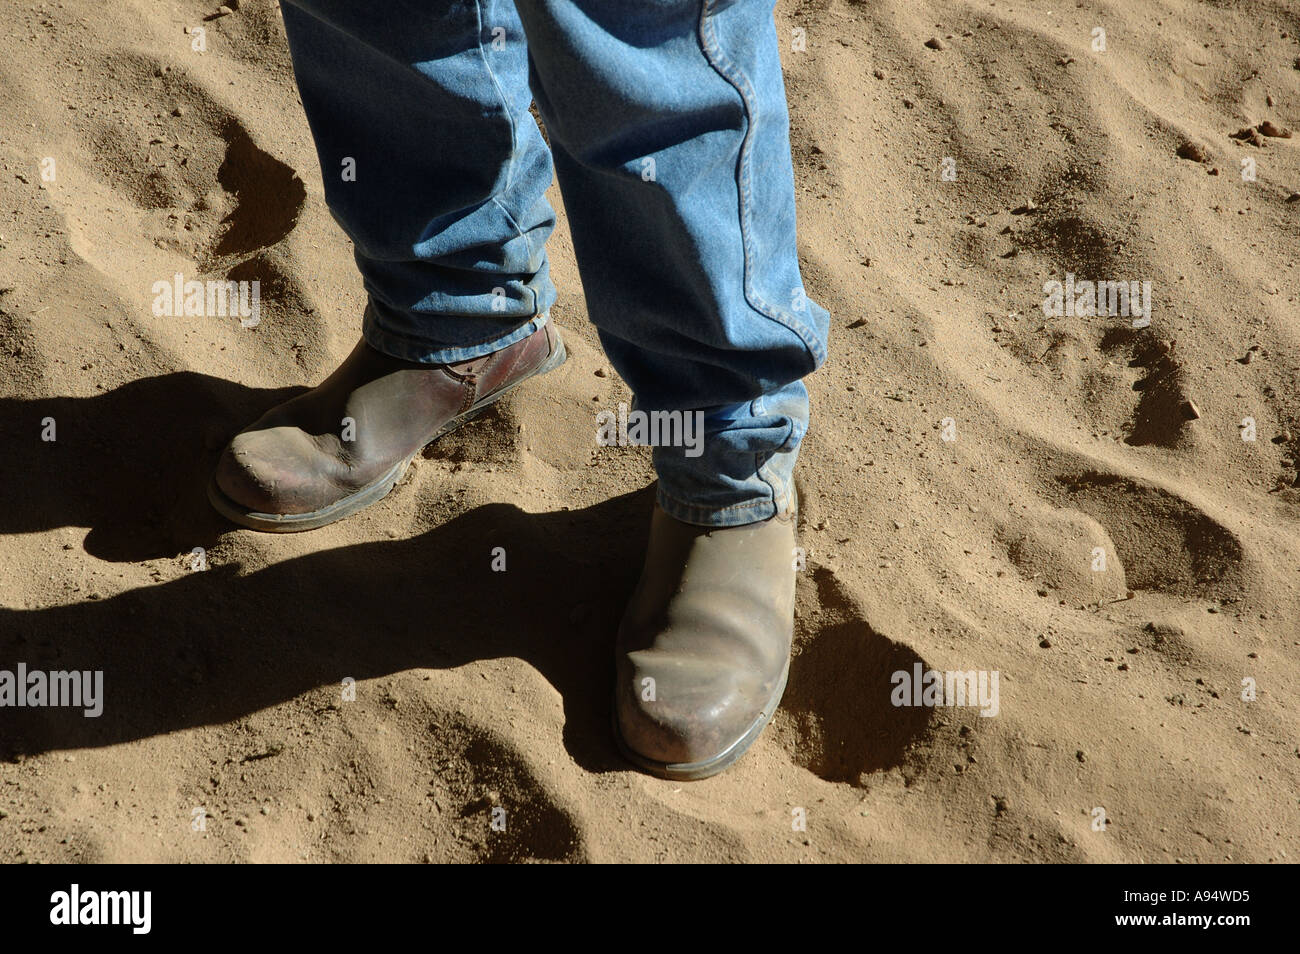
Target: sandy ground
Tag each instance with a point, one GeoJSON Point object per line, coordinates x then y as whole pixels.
{"type": "Point", "coordinates": [969, 458]}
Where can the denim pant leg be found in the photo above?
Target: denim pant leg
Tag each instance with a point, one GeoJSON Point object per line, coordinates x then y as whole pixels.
{"type": "Point", "coordinates": [433, 166]}
{"type": "Point", "coordinates": [669, 128]}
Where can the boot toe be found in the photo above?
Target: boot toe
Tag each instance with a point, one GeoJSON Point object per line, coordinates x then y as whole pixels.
{"type": "Point", "coordinates": [275, 471]}
{"type": "Point", "coordinates": [694, 711]}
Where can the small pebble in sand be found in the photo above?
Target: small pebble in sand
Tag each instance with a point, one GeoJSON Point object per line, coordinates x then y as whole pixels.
{"type": "Point", "coordinates": [935, 43]}
{"type": "Point", "coordinates": [1274, 131]}
{"type": "Point", "coordinates": [1193, 151]}
{"type": "Point", "coordinates": [1189, 410]}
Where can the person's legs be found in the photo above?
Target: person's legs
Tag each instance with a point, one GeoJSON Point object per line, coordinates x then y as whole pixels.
{"type": "Point", "coordinates": [672, 146]}
{"type": "Point", "coordinates": [669, 127]}
{"type": "Point", "coordinates": [434, 167]}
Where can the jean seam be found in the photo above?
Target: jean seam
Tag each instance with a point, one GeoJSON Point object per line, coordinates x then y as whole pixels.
{"type": "Point", "coordinates": [527, 241]}
{"type": "Point", "coordinates": [514, 137]}
{"type": "Point", "coordinates": [496, 84]}
{"type": "Point", "coordinates": [723, 66]}
{"type": "Point", "coordinates": [756, 409]}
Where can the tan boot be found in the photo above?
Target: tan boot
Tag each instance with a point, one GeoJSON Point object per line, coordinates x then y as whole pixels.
{"type": "Point", "coordinates": [704, 646]}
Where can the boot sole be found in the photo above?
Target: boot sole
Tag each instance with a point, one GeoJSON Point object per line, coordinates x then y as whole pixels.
{"type": "Point", "coordinates": [377, 489]}
{"type": "Point", "coordinates": [694, 771]}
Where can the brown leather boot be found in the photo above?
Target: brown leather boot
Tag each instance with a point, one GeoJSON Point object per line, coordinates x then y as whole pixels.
{"type": "Point", "coordinates": [704, 646]}
{"type": "Point", "coordinates": [343, 445]}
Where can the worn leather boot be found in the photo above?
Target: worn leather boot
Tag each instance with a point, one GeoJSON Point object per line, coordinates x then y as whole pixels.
{"type": "Point", "coordinates": [343, 445]}
{"type": "Point", "coordinates": [704, 646]}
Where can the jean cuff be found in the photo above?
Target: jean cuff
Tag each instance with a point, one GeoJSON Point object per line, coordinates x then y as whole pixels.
{"type": "Point", "coordinates": [733, 515]}
{"type": "Point", "coordinates": [395, 344]}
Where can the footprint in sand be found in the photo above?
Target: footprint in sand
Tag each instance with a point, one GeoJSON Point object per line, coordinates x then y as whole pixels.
{"type": "Point", "coordinates": [1165, 542]}
{"type": "Point", "coordinates": [168, 181]}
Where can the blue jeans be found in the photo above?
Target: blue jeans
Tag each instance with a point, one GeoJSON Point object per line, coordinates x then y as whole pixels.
{"type": "Point", "coordinates": [668, 130]}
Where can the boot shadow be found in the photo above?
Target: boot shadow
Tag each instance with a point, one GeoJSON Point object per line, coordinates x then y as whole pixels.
{"type": "Point", "coordinates": [130, 464]}
{"type": "Point", "coordinates": [213, 646]}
